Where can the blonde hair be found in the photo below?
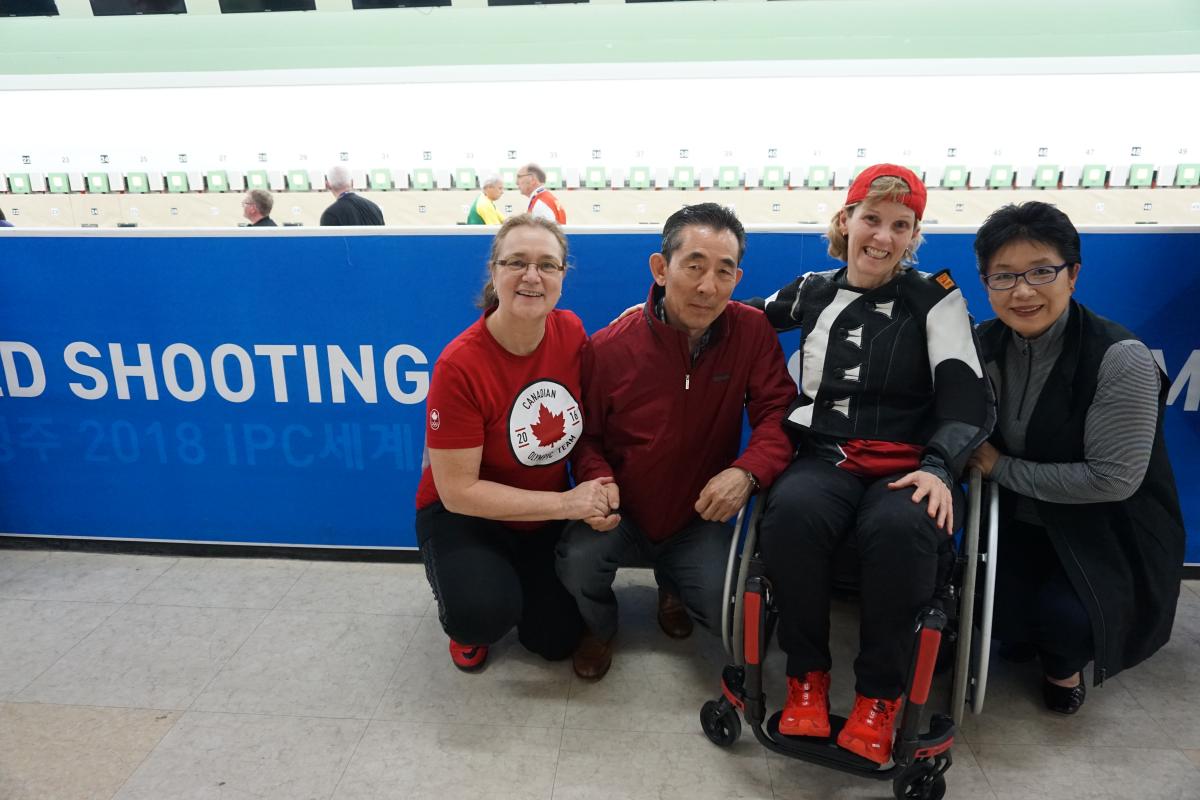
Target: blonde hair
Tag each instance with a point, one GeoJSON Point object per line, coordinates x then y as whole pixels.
{"type": "Point", "coordinates": [886, 187]}
{"type": "Point", "coordinates": [488, 298]}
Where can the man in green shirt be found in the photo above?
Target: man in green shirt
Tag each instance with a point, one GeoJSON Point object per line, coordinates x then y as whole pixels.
{"type": "Point", "coordinates": [483, 210]}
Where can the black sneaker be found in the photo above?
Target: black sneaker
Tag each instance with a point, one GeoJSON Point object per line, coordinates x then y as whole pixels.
{"type": "Point", "coordinates": [1064, 699]}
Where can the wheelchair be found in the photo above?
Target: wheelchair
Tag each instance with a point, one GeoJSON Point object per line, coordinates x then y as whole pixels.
{"type": "Point", "coordinates": [919, 758]}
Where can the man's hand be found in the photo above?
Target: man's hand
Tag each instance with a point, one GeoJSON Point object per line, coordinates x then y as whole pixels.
{"type": "Point", "coordinates": [603, 523]}
{"type": "Point", "coordinates": [941, 504]}
{"type": "Point", "coordinates": [724, 495]}
{"type": "Point", "coordinates": [588, 499]}
{"type": "Point", "coordinates": [984, 457]}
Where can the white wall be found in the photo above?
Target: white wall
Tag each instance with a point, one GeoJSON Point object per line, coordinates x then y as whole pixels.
{"type": "Point", "coordinates": [806, 119]}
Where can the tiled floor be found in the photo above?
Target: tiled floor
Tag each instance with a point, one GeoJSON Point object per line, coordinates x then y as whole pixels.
{"type": "Point", "coordinates": [152, 678]}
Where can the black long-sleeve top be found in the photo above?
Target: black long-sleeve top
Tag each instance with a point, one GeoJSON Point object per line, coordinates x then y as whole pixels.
{"type": "Point", "coordinates": [890, 376]}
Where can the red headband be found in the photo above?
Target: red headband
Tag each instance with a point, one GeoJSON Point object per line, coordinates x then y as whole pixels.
{"type": "Point", "coordinates": [915, 199]}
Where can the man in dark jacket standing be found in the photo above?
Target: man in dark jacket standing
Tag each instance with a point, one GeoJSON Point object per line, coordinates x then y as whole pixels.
{"type": "Point", "coordinates": [349, 208]}
{"type": "Point", "coordinates": [664, 394]}
{"type": "Point", "coordinates": [256, 207]}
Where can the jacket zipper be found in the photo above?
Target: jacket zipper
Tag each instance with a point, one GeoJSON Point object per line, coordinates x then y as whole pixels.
{"type": "Point", "coordinates": [1028, 374]}
{"type": "Point", "coordinates": [689, 361]}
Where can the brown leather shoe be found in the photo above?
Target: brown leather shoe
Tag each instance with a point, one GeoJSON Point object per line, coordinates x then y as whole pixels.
{"type": "Point", "coordinates": [592, 657]}
{"type": "Point", "coordinates": [673, 617]}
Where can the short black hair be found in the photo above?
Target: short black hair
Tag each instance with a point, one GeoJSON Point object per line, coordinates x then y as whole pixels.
{"type": "Point", "coordinates": [1033, 221]}
{"type": "Point", "coordinates": [712, 215]}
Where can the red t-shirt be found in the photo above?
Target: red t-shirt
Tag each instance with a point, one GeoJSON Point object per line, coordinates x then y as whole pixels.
{"type": "Point", "coordinates": [523, 410]}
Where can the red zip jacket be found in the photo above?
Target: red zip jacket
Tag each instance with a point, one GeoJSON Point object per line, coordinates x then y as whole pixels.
{"type": "Point", "coordinates": [663, 426]}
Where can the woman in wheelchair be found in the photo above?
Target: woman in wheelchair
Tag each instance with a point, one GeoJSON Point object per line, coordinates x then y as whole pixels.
{"type": "Point", "coordinates": [1092, 537]}
{"type": "Point", "coordinates": [892, 402]}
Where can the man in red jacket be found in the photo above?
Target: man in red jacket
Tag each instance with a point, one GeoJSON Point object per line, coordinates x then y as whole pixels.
{"type": "Point", "coordinates": [664, 392]}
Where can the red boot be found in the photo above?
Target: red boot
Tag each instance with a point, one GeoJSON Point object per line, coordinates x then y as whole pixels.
{"type": "Point", "coordinates": [870, 728]}
{"type": "Point", "coordinates": [806, 712]}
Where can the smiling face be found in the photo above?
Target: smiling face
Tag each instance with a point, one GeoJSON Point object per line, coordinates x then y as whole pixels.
{"type": "Point", "coordinates": [1031, 310]}
{"type": "Point", "coordinates": [529, 294]}
{"type": "Point", "coordinates": [699, 279]}
{"type": "Point", "coordinates": [877, 235]}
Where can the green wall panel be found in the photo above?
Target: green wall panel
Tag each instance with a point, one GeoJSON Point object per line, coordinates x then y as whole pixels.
{"type": "Point", "coordinates": [581, 34]}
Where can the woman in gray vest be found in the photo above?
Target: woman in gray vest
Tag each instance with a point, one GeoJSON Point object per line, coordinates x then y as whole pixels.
{"type": "Point", "coordinates": [1092, 537]}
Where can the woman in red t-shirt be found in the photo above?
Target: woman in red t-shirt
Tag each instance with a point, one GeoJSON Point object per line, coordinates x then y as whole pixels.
{"type": "Point", "coordinates": [502, 416]}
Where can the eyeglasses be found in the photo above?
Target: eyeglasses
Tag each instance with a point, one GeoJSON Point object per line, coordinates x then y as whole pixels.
{"type": "Point", "coordinates": [524, 175]}
{"type": "Point", "coordinates": [1036, 276]}
{"type": "Point", "coordinates": [516, 266]}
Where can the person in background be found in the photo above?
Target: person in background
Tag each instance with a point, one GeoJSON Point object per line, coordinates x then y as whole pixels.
{"type": "Point", "coordinates": [4, 223]}
{"type": "Point", "coordinates": [1091, 535]}
{"type": "Point", "coordinates": [893, 401]}
{"type": "Point", "coordinates": [483, 210]}
{"type": "Point", "coordinates": [666, 391]}
{"type": "Point", "coordinates": [349, 208]}
{"type": "Point", "coordinates": [531, 180]}
{"type": "Point", "coordinates": [503, 414]}
{"type": "Point", "coordinates": [256, 207]}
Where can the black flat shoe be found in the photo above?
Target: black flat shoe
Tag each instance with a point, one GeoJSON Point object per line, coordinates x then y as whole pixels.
{"type": "Point", "coordinates": [1064, 699]}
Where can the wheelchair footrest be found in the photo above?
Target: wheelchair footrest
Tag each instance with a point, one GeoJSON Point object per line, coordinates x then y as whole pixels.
{"type": "Point", "coordinates": [812, 748]}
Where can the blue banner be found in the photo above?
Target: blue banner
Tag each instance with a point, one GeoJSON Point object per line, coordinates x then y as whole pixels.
{"type": "Point", "coordinates": [269, 389]}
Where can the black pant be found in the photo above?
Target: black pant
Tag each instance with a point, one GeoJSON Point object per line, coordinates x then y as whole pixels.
{"type": "Point", "coordinates": [488, 578]}
{"type": "Point", "coordinates": [812, 507]}
{"type": "Point", "coordinates": [1036, 603]}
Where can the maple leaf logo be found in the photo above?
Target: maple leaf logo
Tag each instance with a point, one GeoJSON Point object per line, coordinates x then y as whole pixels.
{"type": "Point", "coordinates": [549, 428]}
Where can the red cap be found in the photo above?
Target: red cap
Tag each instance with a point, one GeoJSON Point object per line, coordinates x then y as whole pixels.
{"type": "Point", "coordinates": [915, 199]}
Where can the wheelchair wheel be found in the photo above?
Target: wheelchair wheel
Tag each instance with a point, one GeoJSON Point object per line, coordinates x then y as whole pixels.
{"type": "Point", "coordinates": [720, 722]}
{"type": "Point", "coordinates": [920, 780]}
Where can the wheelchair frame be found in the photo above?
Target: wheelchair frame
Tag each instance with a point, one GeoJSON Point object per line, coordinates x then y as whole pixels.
{"type": "Point", "coordinates": [920, 759]}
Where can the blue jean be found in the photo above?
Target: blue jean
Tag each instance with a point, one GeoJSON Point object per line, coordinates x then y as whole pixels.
{"type": "Point", "coordinates": [690, 564]}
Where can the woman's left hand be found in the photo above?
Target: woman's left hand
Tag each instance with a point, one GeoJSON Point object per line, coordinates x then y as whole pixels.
{"type": "Point", "coordinates": [941, 504]}
{"type": "Point", "coordinates": [984, 457]}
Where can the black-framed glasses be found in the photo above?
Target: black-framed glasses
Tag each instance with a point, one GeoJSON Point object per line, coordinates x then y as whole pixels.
{"type": "Point", "coordinates": [517, 266]}
{"type": "Point", "coordinates": [524, 175]}
{"type": "Point", "coordinates": [1035, 276]}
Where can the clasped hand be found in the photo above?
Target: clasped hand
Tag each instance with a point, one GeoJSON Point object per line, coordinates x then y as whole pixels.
{"type": "Point", "coordinates": [596, 501]}
{"type": "Point", "coordinates": [600, 500]}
